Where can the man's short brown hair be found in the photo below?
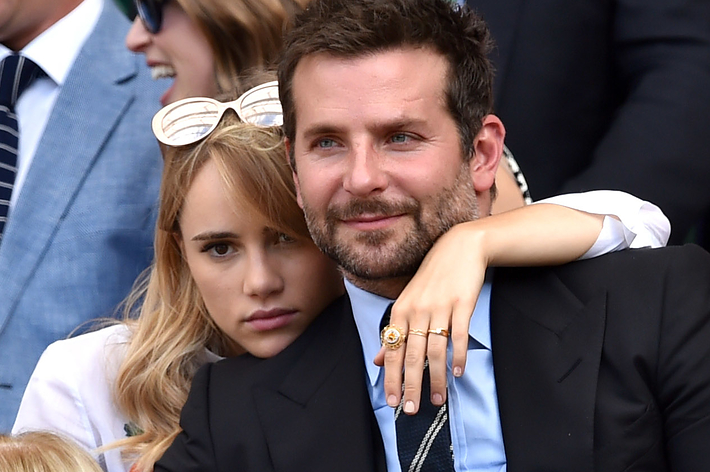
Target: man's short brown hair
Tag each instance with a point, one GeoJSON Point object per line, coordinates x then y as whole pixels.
{"type": "Point", "coordinates": [354, 28]}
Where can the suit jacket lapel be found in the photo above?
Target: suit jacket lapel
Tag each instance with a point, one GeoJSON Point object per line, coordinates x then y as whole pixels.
{"type": "Point", "coordinates": [502, 18]}
{"type": "Point", "coordinates": [68, 148]}
{"type": "Point", "coordinates": [319, 417]}
{"type": "Point", "coordinates": [546, 354]}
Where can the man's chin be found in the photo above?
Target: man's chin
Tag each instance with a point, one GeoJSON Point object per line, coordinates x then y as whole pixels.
{"type": "Point", "coordinates": [373, 263]}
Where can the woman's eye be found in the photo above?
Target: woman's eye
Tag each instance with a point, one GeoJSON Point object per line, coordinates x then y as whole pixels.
{"type": "Point", "coordinates": [217, 249]}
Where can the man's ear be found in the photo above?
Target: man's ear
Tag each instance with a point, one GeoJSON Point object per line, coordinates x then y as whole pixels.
{"type": "Point", "coordinates": [488, 149]}
{"type": "Point", "coordinates": [292, 164]}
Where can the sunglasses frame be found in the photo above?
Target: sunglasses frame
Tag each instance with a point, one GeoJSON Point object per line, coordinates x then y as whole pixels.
{"type": "Point", "coordinates": [242, 107]}
{"type": "Point", "coordinates": [151, 14]}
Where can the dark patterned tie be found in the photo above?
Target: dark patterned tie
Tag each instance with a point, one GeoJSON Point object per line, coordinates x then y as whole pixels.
{"type": "Point", "coordinates": [424, 439]}
{"type": "Point", "coordinates": [16, 74]}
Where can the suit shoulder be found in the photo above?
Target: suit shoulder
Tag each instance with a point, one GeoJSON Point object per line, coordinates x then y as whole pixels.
{"type": "Point", "coordinates": [245, 366]}
{"type": "Point", "coordinates": [87, 348]}
{"type": "Point", "coordinates": [689, 256]}
{"type": "Point", "coordinates": [679, 266]}
{"type": "Point", "coordinates": [110, 60]}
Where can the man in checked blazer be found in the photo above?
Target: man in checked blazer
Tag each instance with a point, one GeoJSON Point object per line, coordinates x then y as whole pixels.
{"type": "Point", "coordinates": [81, 221]}
{"type": "Point", "coordinates": [594, 366]}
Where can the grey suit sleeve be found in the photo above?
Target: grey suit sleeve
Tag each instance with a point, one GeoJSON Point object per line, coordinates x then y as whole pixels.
{"type": "Point", "coordinates": [192, 450]}
{"type": "Point", "coordinates": [657, 146]}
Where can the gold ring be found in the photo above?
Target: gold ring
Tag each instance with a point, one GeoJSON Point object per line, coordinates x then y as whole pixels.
{"type": "Point", "coordinates": [392, 337]}
{"type": "Point", "coordinates": [418, 332]}
{"type": "Point", "coordinates": [440, 331]}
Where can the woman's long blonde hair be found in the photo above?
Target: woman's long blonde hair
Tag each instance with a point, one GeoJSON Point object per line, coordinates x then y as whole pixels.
{"type": "Point", "coordinates": [43, 451]}
{"type": "Point", "coordinates": [244, 35]}
{"type": "Point", "coordinates": [173, 329]}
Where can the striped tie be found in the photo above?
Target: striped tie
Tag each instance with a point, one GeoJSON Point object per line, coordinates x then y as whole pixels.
{"type": "Point", "coordinates": [424, 439]}
{"type": "Point", "coordinates": [16, 74]}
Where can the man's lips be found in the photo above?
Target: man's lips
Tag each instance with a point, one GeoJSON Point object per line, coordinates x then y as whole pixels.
{"type": "Point", "coordinates": [371, 222]}
{"type": "Point", "coordinates": [265, 320]}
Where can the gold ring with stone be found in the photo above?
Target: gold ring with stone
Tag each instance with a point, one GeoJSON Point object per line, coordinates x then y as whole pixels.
{"type": "Point", "coordinates": [418, 332]}
{"type": "Point", "coordinates": [392, 337]}
{"type": "Point", "coordinates": [440, 331]}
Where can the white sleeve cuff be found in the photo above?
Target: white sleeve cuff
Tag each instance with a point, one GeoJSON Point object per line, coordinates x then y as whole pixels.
{"type": "Point", "coordinates": [639, 224]}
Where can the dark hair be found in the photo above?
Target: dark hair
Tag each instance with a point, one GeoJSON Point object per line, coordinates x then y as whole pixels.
{"type": "Point", "coordinates": [354, 28]}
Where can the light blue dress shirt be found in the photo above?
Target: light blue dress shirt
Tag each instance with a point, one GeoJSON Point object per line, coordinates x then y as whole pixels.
{"type": "Point", "coordinates": [473, 404]}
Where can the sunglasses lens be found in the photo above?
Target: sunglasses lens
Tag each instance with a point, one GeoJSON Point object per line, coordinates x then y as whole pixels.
{"type": "Point", "coordinates": [260, 106]}
{"type": "Point", "coordinates": [189, 122]}
{"type": "Point", "coordinates": [151, 14]}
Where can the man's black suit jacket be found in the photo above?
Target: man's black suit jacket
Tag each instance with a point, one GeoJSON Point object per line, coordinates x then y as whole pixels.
{"type": "Point", "coordinates": [607, 94]}
{"type": "Point", "coordinates": [601, 365]}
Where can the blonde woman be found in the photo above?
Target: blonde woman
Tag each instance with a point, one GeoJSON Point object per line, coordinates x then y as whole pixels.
{"type": "Point", "coordinates": [42, 451]}
{"type": "Point", "coordinates": [235, 270]}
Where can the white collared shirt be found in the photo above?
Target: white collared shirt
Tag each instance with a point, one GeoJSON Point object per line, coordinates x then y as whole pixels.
{"type": "Point", "coordinates": [474, 422]}
{"type": "Point", "coordinates": [55, 51]}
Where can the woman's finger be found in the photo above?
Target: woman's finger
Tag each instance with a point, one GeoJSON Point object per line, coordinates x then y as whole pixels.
{"type": "Point", "coordinates": [460, 322]}
{"type": "Point", "coordinates": [436, 354]}
{"type": "Point", "coordinates": [393, 362]}
{"type": "Point", "coordinates": [414, 368]}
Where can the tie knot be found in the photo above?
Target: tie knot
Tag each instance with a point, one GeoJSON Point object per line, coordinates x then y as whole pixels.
{"type": "Point", "coordinates": [16, 74]}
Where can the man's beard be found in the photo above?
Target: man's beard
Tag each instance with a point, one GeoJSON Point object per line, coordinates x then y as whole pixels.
{"type": "Point", "coordinates": [384, 254]}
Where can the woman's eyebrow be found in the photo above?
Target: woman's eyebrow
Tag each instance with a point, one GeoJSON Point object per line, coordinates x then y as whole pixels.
{"type": "Point", "coordinates": [209, 235]}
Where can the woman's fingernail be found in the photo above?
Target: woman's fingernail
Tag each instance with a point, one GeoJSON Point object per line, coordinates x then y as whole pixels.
{"type": "Point", "coordinates": [392, 401]}
{"type": "Point", "coordinates": [438, 399]}
{"type": "Point", "coordinates": [409, 407]}
{"type": "Point", "coordinates": [457, 371]}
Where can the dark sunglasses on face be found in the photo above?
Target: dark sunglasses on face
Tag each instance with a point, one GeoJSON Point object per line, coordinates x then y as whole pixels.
{"type": "Point", "coordinates": [151, 14]}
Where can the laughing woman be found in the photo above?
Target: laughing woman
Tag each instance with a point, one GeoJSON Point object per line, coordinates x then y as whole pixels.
{"type": "Point", "coordinates": [207, 46]}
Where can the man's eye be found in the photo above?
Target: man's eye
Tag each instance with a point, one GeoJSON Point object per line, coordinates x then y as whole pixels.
{"type": "Point", "coordinates": [325, 143]}
{"type": "Point", "coordinates": [400, 138]}
{"type": "Point", "coordinates": [284, 238]}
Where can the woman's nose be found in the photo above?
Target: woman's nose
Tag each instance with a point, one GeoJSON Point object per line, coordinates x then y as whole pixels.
{"type": "Point", "coordinates": [262, 277]}
{"type": "Point", "coordinates": [138, 37]}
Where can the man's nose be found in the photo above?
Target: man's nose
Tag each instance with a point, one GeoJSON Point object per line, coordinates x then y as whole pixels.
{"type": "Point", "coordinates": [365, 174]}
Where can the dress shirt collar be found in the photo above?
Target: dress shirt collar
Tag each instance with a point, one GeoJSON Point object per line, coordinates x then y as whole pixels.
{"type": "Point", "coordinates": [368, 309]}
{"type": "Point", "coordinates": [56, 48]}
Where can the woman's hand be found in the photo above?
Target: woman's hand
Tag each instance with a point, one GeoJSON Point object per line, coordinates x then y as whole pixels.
{"type": "Point", "coordinates": [444, 291]}
{"type": "Point", "coordinates": [442, 294]}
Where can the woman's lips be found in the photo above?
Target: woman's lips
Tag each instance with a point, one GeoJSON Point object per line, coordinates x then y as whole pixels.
{"type": "Point", "coordinates": [163, 71]}
{"type": "Point", "coordinates": [265, 320]}
{"type": "Point", "coordinates": [160, 71]}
